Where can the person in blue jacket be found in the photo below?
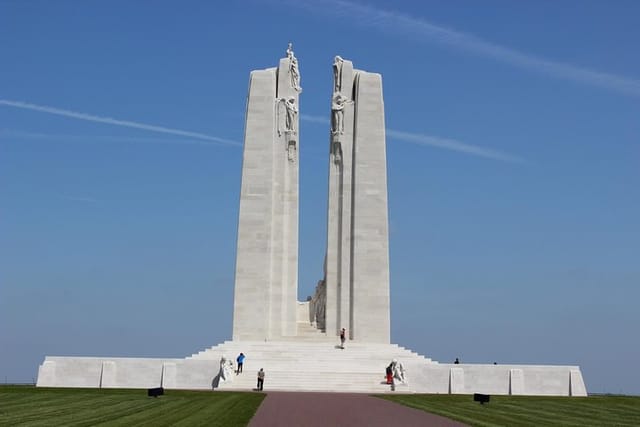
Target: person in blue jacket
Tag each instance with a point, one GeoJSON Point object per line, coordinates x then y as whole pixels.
{"type": "Point", "coordinates": [240, 360]}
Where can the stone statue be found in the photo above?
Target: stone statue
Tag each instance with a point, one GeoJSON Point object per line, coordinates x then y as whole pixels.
{"type": "Point", "coordinates": [337, 73]}
{"type": "Point", "coordinates": [294, 72]}
{"type": "Point", "coordinates": [398, 371]}
{"type": "Point", "coordinates": [226, 369]}
{"type": "Point", "coordinates": [290, 113]}
{"type": "Point", "coordinates": [338, 103]}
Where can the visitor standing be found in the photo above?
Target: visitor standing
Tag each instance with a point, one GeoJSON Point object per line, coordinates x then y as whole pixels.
{"type": "Point", "coordinates": [343, 337]}
{"type": "Point", "coordinates": [240, 360]}
{"type": "Point", "coordinates": [260, 379]}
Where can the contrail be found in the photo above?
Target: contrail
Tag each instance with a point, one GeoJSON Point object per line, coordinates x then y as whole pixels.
{"type": "Point", "coordinates": [416, 138]}
{"type": "Point", "coordinates": [10, 133]}
{"type": "Point", "coordinates": [434, 141]}
{"type": "Point", "coordinates": [452, 144]}
{"type": "Point", "coordinates": [422, 30]}
{"type": "Point", "coordinates": [116, 122]}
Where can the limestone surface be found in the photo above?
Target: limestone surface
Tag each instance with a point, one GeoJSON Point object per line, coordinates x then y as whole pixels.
{"type": "Point", "coordinates": [355, 289]}
{"type": "Point", "coordinates": [266, 278]}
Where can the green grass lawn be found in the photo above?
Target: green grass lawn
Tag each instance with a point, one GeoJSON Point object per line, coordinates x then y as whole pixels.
{"type": "Point", "coordinates": [529, 411]}
{"type": "Point", "coordinates": [30, 406]}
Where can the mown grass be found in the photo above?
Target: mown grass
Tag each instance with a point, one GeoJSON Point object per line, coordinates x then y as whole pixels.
{"type": "Point", "coordinates": [529, 410]}
{"type": "Point", "coordinates": [30, 406]}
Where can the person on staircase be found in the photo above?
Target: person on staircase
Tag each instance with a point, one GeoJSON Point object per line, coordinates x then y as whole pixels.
{"type": "Point", "coordinates": [343, 337]}
{"type": "Point", "coordinates": [240, 360]}
{"type": "Point", "coordinates": [260, 379]}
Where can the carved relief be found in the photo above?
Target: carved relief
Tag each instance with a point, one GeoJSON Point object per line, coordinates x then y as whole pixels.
{"type": "Point", "coordinates": [287, 115]}
{"type": "Point", "coordinates": [338, 103]}
{"type": "Point", "coordinates": [287, 119]}
{"type": "Point", "coordinates": [292, 113]}
{"type": "Point", "coordinates": [225, 374]}
{"type": "Point", "coordinates": [336, 149]}
{"type": "Point", "coordinates": [291, 150]}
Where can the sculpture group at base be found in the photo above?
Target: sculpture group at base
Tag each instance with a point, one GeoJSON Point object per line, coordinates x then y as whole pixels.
{"type": "Point", "coordinates": [395, 373]}
{"type": "Point", "coordinates": [226, 370]}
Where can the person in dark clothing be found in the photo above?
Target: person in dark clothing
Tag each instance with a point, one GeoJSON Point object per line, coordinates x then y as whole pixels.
{"type": "Point", "coordinates": [389, 372]}
{"type": "Point", "coordinates": [343, 337]}
{"type": "Point", "coordinates": [260, 379]}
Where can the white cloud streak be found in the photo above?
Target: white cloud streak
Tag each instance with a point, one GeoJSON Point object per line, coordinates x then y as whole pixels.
{"type": "Point", "coordinates": [19, 134]}
{"type": "Point", "coordinates": [416, 138]}
{"type": "Point", "coordinates": [116, 122]}
{"type": "Point", "coordinates": [422, 30]}
{"type": "Point", "coordinates": [452, 144]}
{"type": "Point", "coordinates": [434, 141]}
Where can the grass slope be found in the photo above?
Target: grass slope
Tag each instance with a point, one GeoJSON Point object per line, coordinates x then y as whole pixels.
{"type": "Point", "coordinates": [529, 410]}
{"type": "Point", "coordinates": [30, 406]}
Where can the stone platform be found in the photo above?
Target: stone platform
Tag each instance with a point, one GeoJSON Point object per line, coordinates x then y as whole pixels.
{"type": "Point", "coordinates": [314, 365]}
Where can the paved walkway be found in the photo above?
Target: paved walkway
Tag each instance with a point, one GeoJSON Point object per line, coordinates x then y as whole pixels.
{"type": "Point", "coordinates": [340, 409]}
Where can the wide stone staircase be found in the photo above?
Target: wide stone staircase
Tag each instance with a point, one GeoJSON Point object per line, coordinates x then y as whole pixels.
{"type": "Point", "coordinates": [314, 362]}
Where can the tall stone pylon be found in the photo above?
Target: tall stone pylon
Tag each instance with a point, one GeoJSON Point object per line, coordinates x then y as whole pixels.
{"type": "Point", "coordinates": [355, 291]}
{"type": "Point", "coordinates": [266, 277]}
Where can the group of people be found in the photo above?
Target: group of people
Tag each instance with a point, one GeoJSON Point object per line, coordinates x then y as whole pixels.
{"type": "Point", "coordinates": [395, 370]}
{"type": "Point", "coordinates": [240, 361]}
{"type": "Point", "coordinates": [226, 368]}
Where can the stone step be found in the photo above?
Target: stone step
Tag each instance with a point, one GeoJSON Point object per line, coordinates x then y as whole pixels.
{"type": "Point", "coordinates": [309, 346]}
{"type": "Point", "coordinates": [346, 354]}
{"type": "Point", "coordinates": [321, 361]}
{"type": "Point", "coordinates": [313, 365]}
{"type": "Point", "coordinates": [312, 382]}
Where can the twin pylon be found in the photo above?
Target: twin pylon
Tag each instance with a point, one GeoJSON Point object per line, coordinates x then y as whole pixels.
{"type": "Point", "coordinates": [354, 293]}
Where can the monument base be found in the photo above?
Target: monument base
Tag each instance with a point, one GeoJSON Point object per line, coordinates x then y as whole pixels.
{"type": "Point", "coordinates": [314, 365]}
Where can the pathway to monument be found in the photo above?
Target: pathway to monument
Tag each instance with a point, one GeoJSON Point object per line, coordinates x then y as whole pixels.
{"type": "Point", "coordinates": [340, 409]}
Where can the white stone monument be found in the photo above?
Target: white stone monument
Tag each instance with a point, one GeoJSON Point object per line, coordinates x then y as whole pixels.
{"type": "Point", "coordinates": [266, 281]}
{"type": "Point", "coordinates": [270, 326]}
{"type": "Point", "coordinates": [357, 260]}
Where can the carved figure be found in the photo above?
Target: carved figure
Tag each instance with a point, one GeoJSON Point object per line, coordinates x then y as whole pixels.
{"type": "Point", "coordinates": [226, 369]}
{"type": "Point", "coordinates": [338, 103]}
{"type": "Point", "coordinates": [293, 69]}
{"type": "Point", "coordinates": [287, 115]}
{"type": "Point", "coordinates": [292, 112]}
{"type": "Point", "coordinates": [337, 73]}
{"type": "Point", "coordinates": [398, 371]}
{"type": "Point", "coordinates": [290, 50]}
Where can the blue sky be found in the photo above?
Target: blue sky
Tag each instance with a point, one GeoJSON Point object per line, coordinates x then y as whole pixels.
{"type": "Point", "coordinates": [513, 167]}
